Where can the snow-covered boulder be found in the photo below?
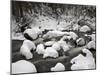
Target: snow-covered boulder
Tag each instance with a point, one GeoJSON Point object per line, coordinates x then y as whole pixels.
{"type": "Point", "coordinates": [40, 49]}
{"type": "Point", "coordinates": [73, 35]}
{"type": "Point", "coordinates": [61, 45]}
{"type": "Point", "coordinates": [61, 42]}
{"type": "Point", "coordinates": [32, 33]}
{"type": "Point", "coordinates": [83, 62]}
{"type": "Point", "coordinates": [80, 42]}
{"type": "Point", "coordinates": [91, 45]}
{"type": "Point", "coordinates": [56, 46]}
{"type": "Point", "coordinates": [85, 28]}
{"type": "Point", "coordinates": [54, 34]}
{"type": "Point", "coordinates": [64, 45]}
{"type": "Point", "coordinates": [66, 38]}
{"type": "Point", "coordinates": [49, 43]}
{"type": "Point", "coordinates": [23, 66]}
{"type": "Point", "coordinates": [50, 52]}
{"type": "Point", "coordinates": [26, 48]}
{"type": "Point", "coordinates": [58, 67]}
{"type": "Point", "coordinates": [87, 52]}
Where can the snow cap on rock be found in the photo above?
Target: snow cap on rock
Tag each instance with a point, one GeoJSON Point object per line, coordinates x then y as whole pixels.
{"type": "Point", "coordinates": [49, 43]}
{"type": "Point", "coordinates": [56, 46]}
{"type": "Point", "coordinates": [50, 52]}
{"type": "Point", "coordinates": [33, 33]}
{"type": "Point", "coordinates": [85, 28]}
{"type": "Point", "coordinates": [23, 66]}
{"type": "Point", "coordinates": [58, 67]}
{"type": "Point", "coordinates": [73, 35]}
{"type": "Point", "coordinates": [91, 45]}
{"type": "Point", "coordinates": [26, 48]}
{"type": "Point", "coordinates": [40, 49]}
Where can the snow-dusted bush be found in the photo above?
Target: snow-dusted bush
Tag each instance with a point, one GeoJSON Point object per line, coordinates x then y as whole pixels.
{"type": "Point", "coordinates": [83, 62]}
{"type": "Point", "coordinates": [26, 48]}
{"type": "Point", "coordinates": [85, 28]}
{"type": "Point", "coordinates": [58, 67]}
{"type": "Point", "coordinates": [87, 52]}
{"type": "Point", "coordinates": [33, 33]}
{"type": "Point", "coordinates": [91, 45]}
{"type": "Point", "coordinates": [40, 49]}
{"type": "Point", "coordinates": [50, 52]}
{"type": "Point", "coordinates": [80, 42]}
{"type": "Point", "coordinates": [23, 66]}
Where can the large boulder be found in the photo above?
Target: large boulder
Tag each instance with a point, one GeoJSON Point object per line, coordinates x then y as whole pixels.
{"type": "Point", "coordinates": [54, 34]}
{"type": "Point", "coordinates": [85, 28]}
{"type": "Point", "coordinates": [50, 52]}
{"type": "Point", "coordinates": [91, 45]}
{"type": "Point", "coordinates": [32, 34]}
{"type": "Point", "coordinates": [23, 66]}
{"type": "Point", "coordinates": [40, 49]}
{"type": "Point", "coordinates": [58, 67]}
{"type": "Point", "coordinates": [49, 43]}
{"type": "Point", "coordinates": [73, 35]}
{"type": "Point", "coordinates": [81, 62]}
{"type": "Point", "coordinates": [26, 48]}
